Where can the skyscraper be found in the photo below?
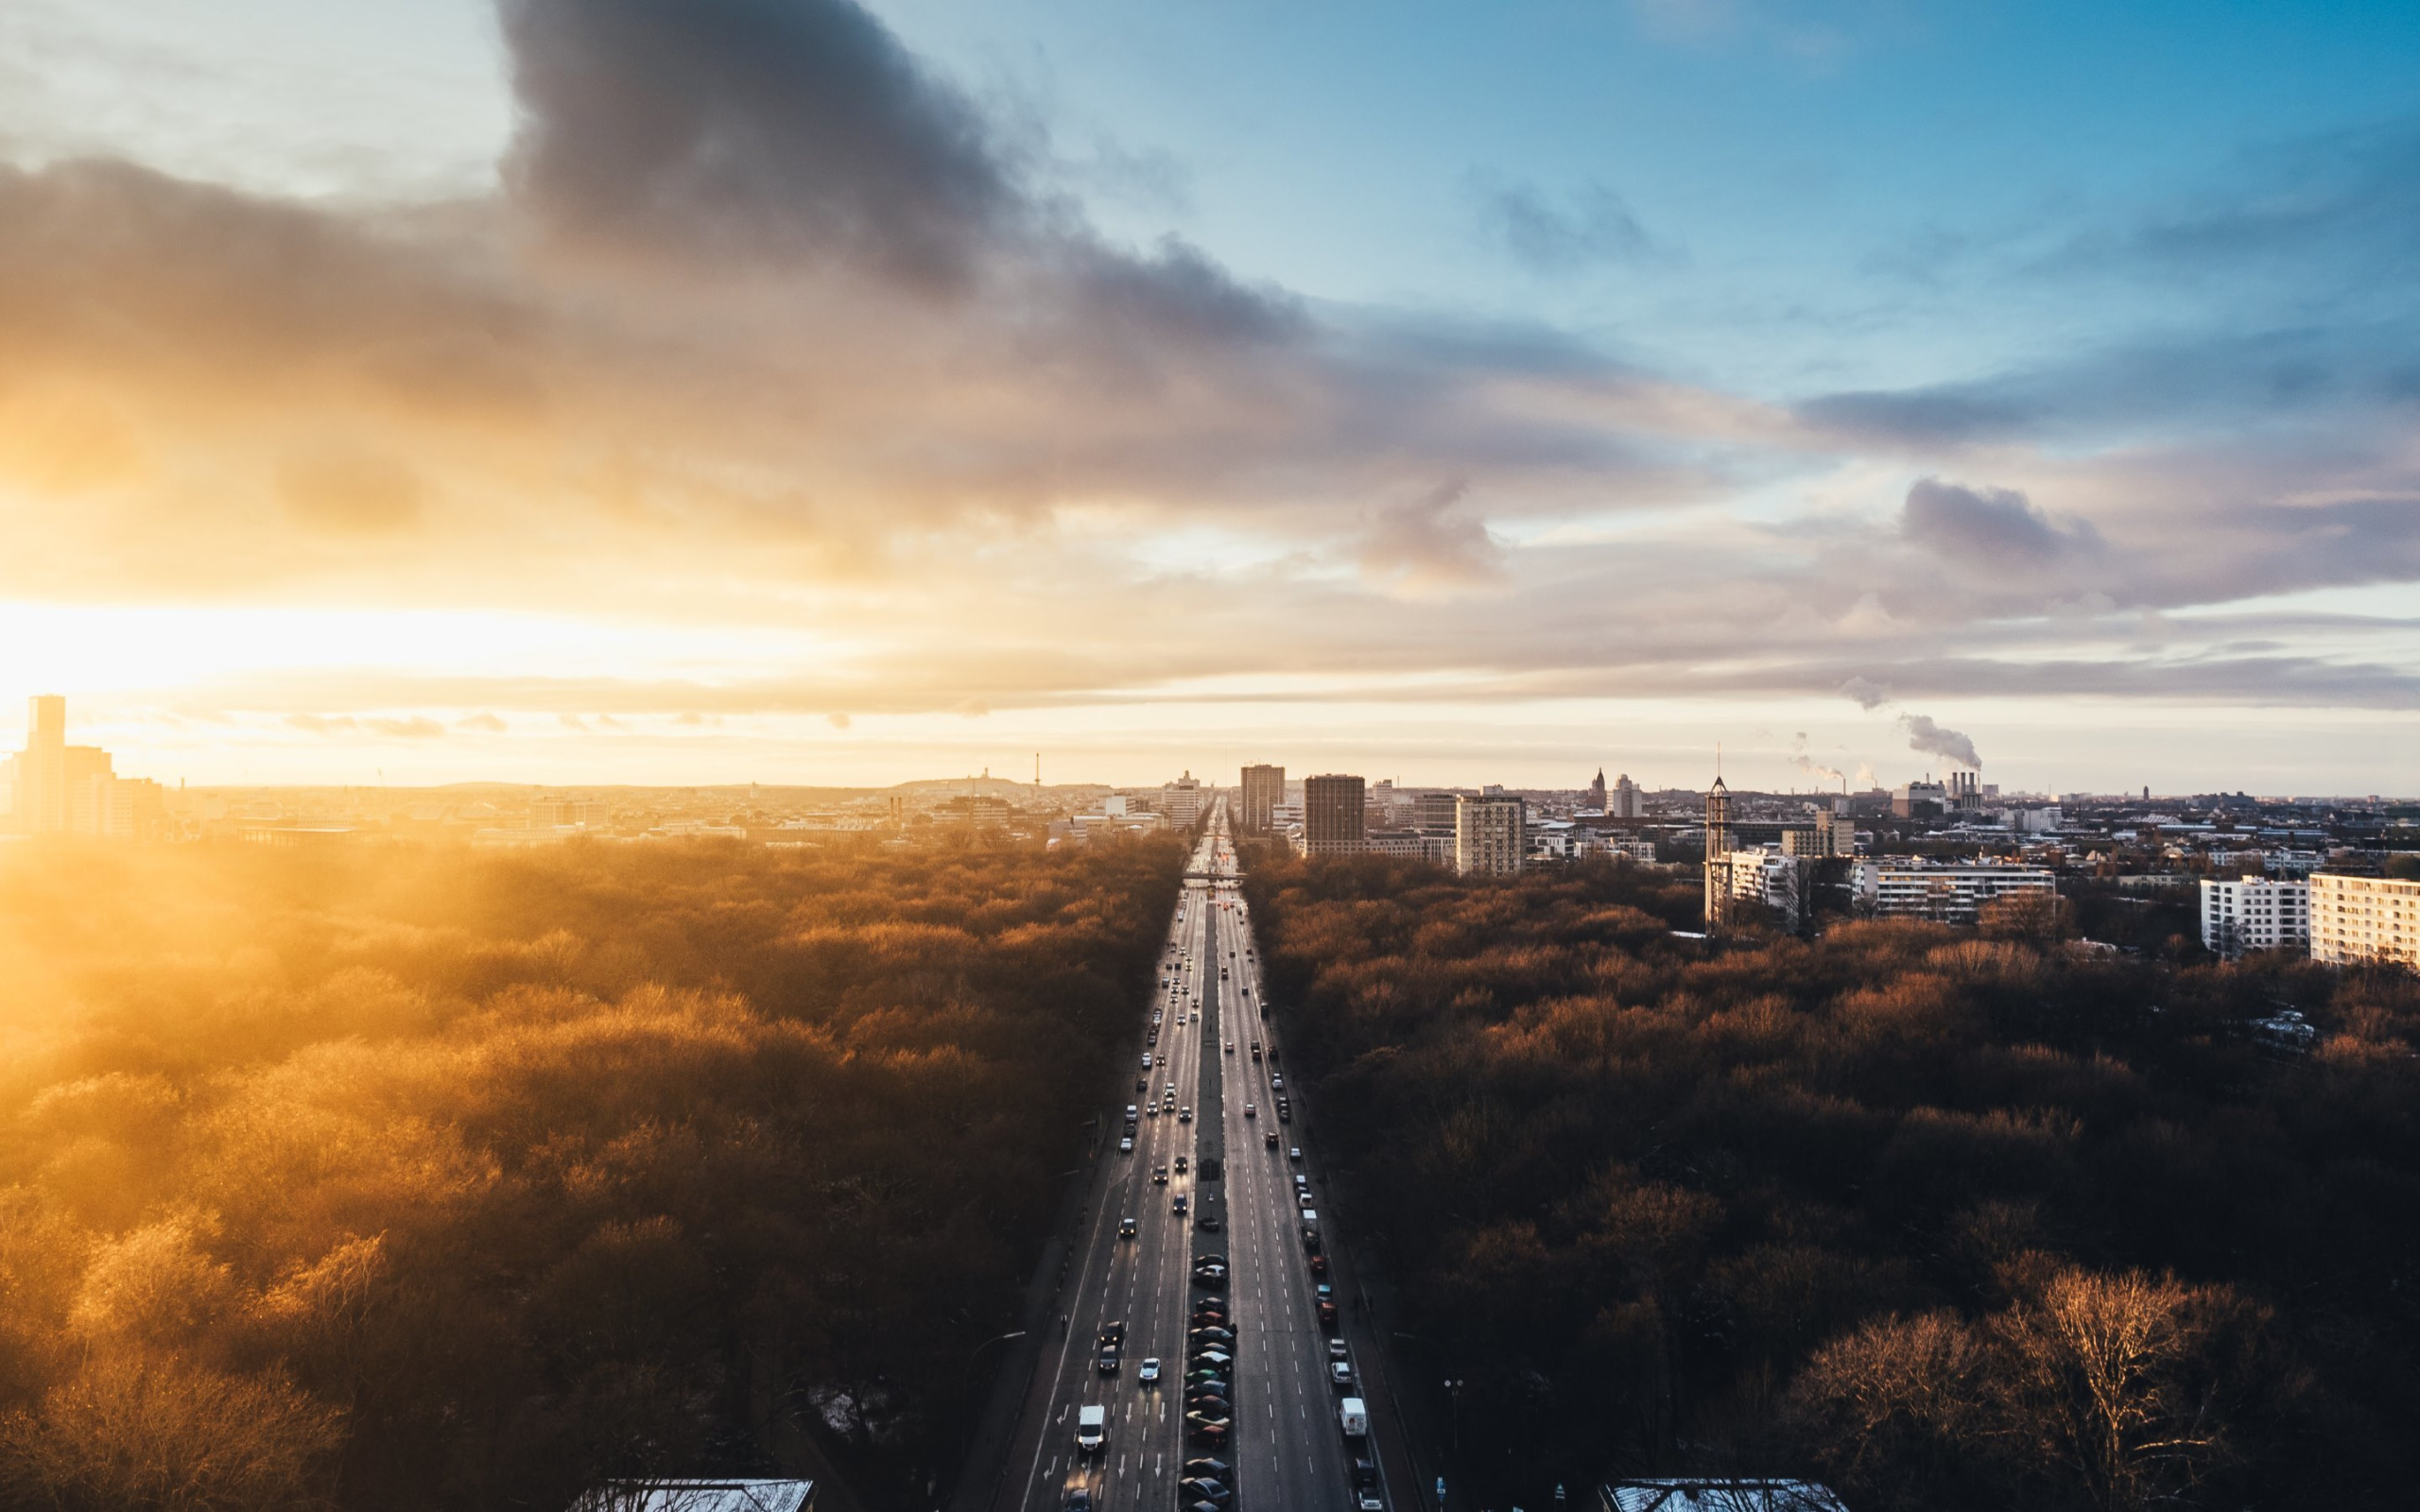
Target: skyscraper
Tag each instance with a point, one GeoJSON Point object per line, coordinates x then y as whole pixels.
{"type": "Point", "coordinates": [41, 770]}
{"type": "Point", "coordinates": [1264, 791]}
{"type": "Point", "coordinates": [1491, 834]}
{"type": "Point", "coordinates": [1332, 823]}
{"type": "Point", "coordinates": [1624, 798]}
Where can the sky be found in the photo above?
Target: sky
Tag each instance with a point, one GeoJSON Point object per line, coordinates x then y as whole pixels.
{"type": "Point", "coordinates": [808, 391]}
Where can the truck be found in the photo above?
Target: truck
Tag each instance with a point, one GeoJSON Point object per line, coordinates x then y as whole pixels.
{"type": "Point", "coordinates": [1352, 1413]}
{"type": "Point", "coordinates": [1092, 1428]}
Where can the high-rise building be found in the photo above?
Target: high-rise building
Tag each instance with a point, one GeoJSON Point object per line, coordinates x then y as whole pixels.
{"type": "Point", "coordinates": [1332, 815]}
{"type": "Point", "coordinates": [1597, 792]}
{"type": "Point", "coordinates": [1491, 834]}
{"type": "Point", "coordinates": [61, 789]}
{"type": "Point", "coordinates": [1264, 793]}
{"type": "Point", "coordinates": [1184, 801]}
{"type": "Point", "coordinates": [1433, 813]}
{"type": "Point", "coordinates": [2364, 919]}
{"type": "Point", "coordinates": [1624, 799]}
{"type": "Point", "coordinates": [41, 769]}
{"type": "Point", "coordinates": [1717, 856]}
{"type": "Point", "coordinates": [2254, 915]}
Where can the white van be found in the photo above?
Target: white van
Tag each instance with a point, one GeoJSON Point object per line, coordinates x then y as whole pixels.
{"type": "Point", "coordinates": [1092, 1428]}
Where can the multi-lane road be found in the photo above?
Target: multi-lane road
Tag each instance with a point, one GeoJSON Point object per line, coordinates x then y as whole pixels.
{"type": "Point", "coordinates": [1282, 1444]}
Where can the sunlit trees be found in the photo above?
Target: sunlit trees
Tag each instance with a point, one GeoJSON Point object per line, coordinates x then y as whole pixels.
{"type": "Point", "coordinates": [466, 1181]}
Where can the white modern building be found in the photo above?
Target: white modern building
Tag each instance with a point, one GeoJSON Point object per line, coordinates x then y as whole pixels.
{"type": "Point", "coordinates": [2355, 919]}
{"type": "Point", "coordinates": [1623, 802]}
{"type": "Point", "coordinates": [2255, 914]}
{"type": "Point", "coordinates": [1767, 877]}
{"type": "Point", "coordinates": [1491, 834]}
{"type": "Point", "coordinates": [1184, 801]}
{"type": "Point", "coordinates": [1906, 887]}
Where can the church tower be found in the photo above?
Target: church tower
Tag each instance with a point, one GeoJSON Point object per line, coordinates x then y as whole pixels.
{"type": "Point", "coordinates": [1596, 791]}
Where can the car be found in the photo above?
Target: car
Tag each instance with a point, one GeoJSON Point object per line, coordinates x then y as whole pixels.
{"type": "Point", "coordinates": [1327, 1315]}
{"type": "Point", "coordinates": [1150, 1109]}
{"type": "Point", "coordinates": [1176, 1205]}
{"type": "Point", "coordinates": [1077, 1499]}
{"type": "Point", "coordinates": [1209, 1401]}
{"type": "Point", "coordinates": [1210, 1315]}
{"type": "Point", "coordinates": [1210, 1356]}
{"type": "Point", "coordinates": [1293, 1152]}
{"type": "Point", "coordinates": [1169, 1091]}
{"type": "Point", "coordinates": [1270, 1138]}
{"type": "Point", "coordinates": [1108, 1365]}
{"type": "Point", "coordinates": [1368, 1499]}
{"type": "Point", "coordinates": [1142, 1083]}
{"type": "Point", "coordinates": [1325, 1292]}
{"type": "Point", "coordinates": [1212, 1333]}
{"type": "Point", "coordinates": [1208, 1487]}
{"type": "Point", "coordinates": [1147, 1373]}
{"type": "Point", "coordinates": [1126, 1145]}
{"type": "Point", "coordinates": [1160, 1174]}
{"type": "Point", "coordinates": [1113, 1331]}
{"type": "Point", "coordinates": [1207, 1221]}
{"type": "Point", "coordinates": [1277, 1084]}
{"type": "Point", "coordinates": [1185, 1115]}
{"type": "Point", "coordinates": [1130, 1112]}
{"type": "Point", "coordinates": [1318, 1264]}
{"type": "Point", "coordinates": [1255, 1050]}
{"type": "Point", "coordinates": [1303, 1201]}
{"type": "Point", "coordinates": [1365, 1470]}
{"type": "Point", "coordinates": [1336, 1350]}
{"type": "Point", "coordinates": [1125, 1227]}
{"type": "Point", "coordinates": [1204, 1465]}
{"type": "Point", "coordinates": [1302, 1182]}
{"type": "Point", "coordinates": [1231, 1047]}
{"type": "Point", "coordinates": [1250, 1111]}
{"type": "Point", "coordinates": [1147, 1062]}
{"type": "Point", "coordinates": [1181, 1163]}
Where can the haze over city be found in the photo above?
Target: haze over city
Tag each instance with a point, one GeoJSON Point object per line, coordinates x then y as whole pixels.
{"type": "Point", "coordinates": [826, 395]}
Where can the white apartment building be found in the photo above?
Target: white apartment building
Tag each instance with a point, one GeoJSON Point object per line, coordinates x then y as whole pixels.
{"type": "Point", "coordinates": [1491, 834]}
{"type": "Point", "coordinates": [1767, 877]}
{"type": "Point", "coordinates": [1906, 888]}
{"type": "Point", "coordinates": [1185, 800]}
{"type": "Point", "coordinates": [2255, 914]}
{"type": "Point", "coordinates": [2364, 919]}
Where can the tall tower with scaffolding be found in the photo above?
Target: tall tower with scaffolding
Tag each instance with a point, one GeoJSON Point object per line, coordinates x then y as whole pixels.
{"type": "Point", "coordinates": [1717, 856]}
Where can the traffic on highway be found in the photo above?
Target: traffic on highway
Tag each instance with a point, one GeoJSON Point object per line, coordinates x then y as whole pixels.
{"type": "Point", "coordinates": [1198, 1360]}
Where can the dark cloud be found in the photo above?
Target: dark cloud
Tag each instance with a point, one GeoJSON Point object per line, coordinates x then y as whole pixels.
{"type": "Point", "coordinates": [754, 132]}
{"type": "Point", "coordinates": [1993, 527]}
{"type": "Point", "coordinates": [1590, 228]}
{"type": "Point", "coordinates": [1936, 739]}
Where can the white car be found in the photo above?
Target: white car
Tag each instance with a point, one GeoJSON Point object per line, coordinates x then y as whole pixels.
{"type": "Point", "coordinates": [1341, 1373]}
{"type": "Point", "coordinates": [1126, 1145]}
{"type": "Point", "coordinates": [1148, 1371]}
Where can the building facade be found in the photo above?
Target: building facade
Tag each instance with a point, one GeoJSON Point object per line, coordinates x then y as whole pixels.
{"type": "Point", "coordinates": [55, 788]}
{"type": "Point", "coordinates": [2357, 919]}
{"type": "Point", "coordinates": [1624, 800]}
{"type": "Point", "coordinates": [1184, 801]}
{"type": "Point", "coordinates": [1332, 815]}
{"type": "Point", "coordinates": [1717, 856]}
{"type": "Point", "coordinates": [1264, 794]}
{"type": "Point", "coordinates": [1908, 888]}
{"type": "Point", "coordinates": [1770, 878]}
{"type": "Point", "coordinates": [2255, 914]}
{"type": "Point", "coordinates": [1491, 834]}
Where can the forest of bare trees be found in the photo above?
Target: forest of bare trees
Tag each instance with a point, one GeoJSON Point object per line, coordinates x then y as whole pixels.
{"type": "Point", "coordinates": [391, 1178]}
{"type": "Point", "coordinates": [1947, 1218]}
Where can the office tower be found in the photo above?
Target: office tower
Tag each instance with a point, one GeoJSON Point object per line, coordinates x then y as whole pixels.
{"type": "Point", "coordinates": [41, 770]}
{"type": "Point", "coordinates": [1184, 801]}
{"type": "Point", "coordinates": [1264, 794]}
{"type": "Point", "coordinates": [1491, 834]}
{"type": "Point", "coordinates": [1624, 798]}
{"type": "Point", "coordinates": [1433, 813]}
{"type": "Point", "coordinates": [1332, 822]}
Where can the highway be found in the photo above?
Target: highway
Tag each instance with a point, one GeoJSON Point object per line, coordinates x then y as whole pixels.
{"type": "Point", "coordinates": [1283, 1445]}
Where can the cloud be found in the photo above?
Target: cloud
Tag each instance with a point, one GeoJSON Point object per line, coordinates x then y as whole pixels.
{"type": "Point", "coordinates": [322, 725]}
{"type": "Point", "coordinates": [1936, 739]}
{"type": "Point", "coordinates": [1591, 228]}
{"type": "Point", "coordinates": [488, 723]}
{"type": "Point", "coordinates": [1426, 548]}
{"type": "Point", "coordinates": [1992, 527]}
{"type": "Point", "coordinates": [836, 719]}
{"type": "Point", "coordinates": [1868, 694]}
{"type": "Point", "coordinates": [416, 726]}
{"type": "Point", "coordinates": [752, 132]}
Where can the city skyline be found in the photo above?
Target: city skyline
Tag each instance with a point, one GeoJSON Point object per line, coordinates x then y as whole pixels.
{"type": "Point", "coordinates": [537, 390]}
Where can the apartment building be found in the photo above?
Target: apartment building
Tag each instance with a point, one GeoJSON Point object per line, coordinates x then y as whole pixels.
{"type": "Point", "coordinates": [2355, 919]}
{"type": "Point", "coordinates": [1906, 887]}
{"type": "Point", "coordinates": [2255, 914]}
{"type": "Point", "coordinates": [1491, 834]}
